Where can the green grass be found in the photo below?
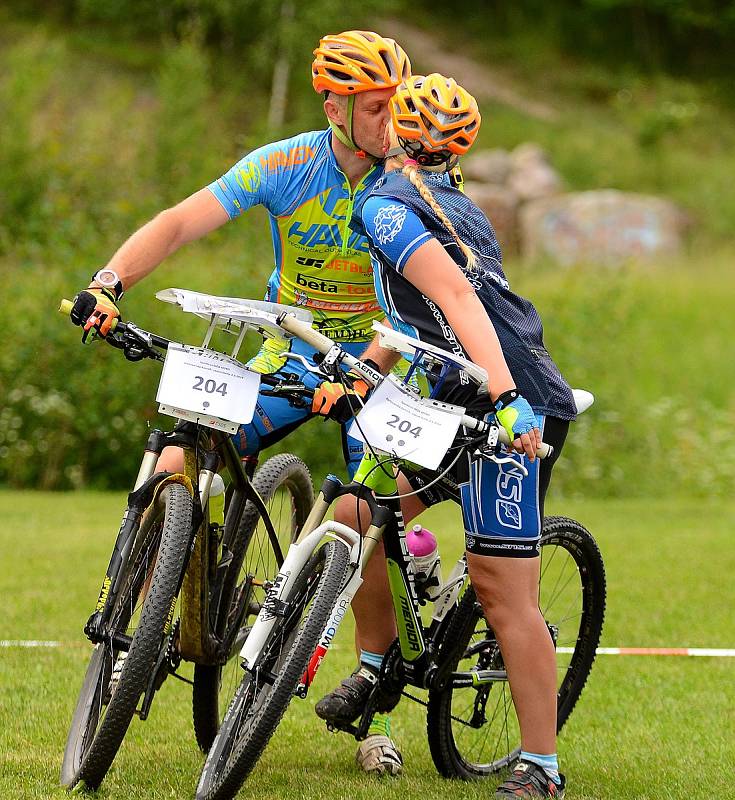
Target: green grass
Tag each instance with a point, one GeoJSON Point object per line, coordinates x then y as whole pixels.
{"type": "Point", "coordinates": [645, 727]}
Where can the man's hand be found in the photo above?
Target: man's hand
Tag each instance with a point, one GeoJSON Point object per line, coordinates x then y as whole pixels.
{"type": "Point", "coordinates": [340, 402]}
{"type": "Point", "coordinates": [515, 415]}
{"type": "Point", "coordinates": [95, 310]}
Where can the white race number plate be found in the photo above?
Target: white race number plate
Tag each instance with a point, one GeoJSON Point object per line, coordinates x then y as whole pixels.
{"type": "Point", "coordinates": [209, 387]}
{"type": "Point", "coordinates": [397, 421]}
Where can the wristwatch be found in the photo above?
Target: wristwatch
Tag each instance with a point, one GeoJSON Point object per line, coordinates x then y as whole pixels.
{"type": "Point", "coordinates": [109, 279]}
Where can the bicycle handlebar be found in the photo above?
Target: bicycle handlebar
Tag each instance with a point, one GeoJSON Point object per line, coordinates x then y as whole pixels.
{"type": "Point", "coordinates": [145, 344]}
{"type": "Point", "coordinates": [323, 345]}
{"type": "Point", "coordinates": [65, 307]}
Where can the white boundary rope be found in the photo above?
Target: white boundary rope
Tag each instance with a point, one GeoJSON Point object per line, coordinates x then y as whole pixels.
{"type": "Point", "coordinates": [658, 651]}
{"type": "Point", "coordinates": [707, 652]}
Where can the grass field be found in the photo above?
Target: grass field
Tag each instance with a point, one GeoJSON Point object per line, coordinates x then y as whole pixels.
{"type": "Point", "coordinates": [646, 727]}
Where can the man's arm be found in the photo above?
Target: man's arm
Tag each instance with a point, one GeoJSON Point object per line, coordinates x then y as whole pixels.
{"type": "Point", "coordinates": [385, 358]}
{"type": "Point", "coordinates": [165, 234]}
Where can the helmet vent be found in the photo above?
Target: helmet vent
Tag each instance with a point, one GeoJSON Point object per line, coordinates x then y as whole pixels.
{"type": "Point", "coordinates": [338, 75]}
{"type": "Point", "coordinates": [389, 64]}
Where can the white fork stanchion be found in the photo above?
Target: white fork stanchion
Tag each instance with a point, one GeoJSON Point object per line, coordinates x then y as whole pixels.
{"type": "Point", "coordinates": [296, 559]}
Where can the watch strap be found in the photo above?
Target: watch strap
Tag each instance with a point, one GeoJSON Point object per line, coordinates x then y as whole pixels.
{"type": "Point", "coordinates": [117, 289]}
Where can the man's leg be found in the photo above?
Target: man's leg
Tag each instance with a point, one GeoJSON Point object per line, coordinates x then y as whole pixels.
{"type": "Point", "coordinates": [375, 631]}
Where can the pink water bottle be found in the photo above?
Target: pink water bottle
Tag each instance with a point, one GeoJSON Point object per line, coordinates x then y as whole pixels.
{"type": "Point", "coordinates": [424, 552]}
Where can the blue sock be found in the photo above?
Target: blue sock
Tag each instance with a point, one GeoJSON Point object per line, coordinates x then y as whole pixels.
{"type": "Point", "coordinates": [371, 659]}
{"type": "Point", "coordinates": [548, 763]}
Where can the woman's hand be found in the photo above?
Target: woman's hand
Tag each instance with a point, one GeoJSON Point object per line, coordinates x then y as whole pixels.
{"type": "Point", "coordinates": [515, 415]}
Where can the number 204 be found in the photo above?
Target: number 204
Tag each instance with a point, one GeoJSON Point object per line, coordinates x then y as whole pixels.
{"type": "Point", "coordinates": [404, 425]}
{"type": "Point", "coordinates": [209, 386]}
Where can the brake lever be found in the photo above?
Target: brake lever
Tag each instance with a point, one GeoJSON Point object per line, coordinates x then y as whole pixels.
{"type": "Point", "coordinates": [290, 391]}
{"type": "Point", "coordinates": [489, 450]}
{"type": "Point", "coordinates": [135, 343]}
{"type": "Point", "coordinates": [498, 459]}
{"type": "Point", "coordinates": [306, 364]}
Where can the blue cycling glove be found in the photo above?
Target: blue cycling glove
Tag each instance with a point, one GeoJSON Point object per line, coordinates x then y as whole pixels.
{"type": "Point", "coordinates": [514, 414]}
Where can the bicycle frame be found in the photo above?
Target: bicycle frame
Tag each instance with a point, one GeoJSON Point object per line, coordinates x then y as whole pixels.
{"type": "Point", "coordinates": [198, 642]}
{"type": "Point", "coordinates": [374, 475]}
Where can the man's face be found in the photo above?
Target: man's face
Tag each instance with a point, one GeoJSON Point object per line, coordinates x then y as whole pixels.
{"type": "Point", "coordinates": [370, 115]}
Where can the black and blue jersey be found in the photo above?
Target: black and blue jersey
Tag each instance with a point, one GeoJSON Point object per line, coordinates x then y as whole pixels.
{"type": "Point", "coordinates": [397, 221]}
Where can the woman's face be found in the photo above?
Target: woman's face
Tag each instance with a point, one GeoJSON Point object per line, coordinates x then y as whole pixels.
{"type": "Point", "coordinates": [387, 137]}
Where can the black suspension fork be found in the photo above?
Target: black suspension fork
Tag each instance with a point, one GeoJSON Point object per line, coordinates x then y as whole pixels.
{"type": "Point", "coordinates": [243, 491]}
{"type": "Point", "coordinates": [138, 501]}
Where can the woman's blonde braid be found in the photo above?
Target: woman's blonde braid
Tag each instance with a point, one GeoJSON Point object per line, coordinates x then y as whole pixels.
{"type": "Point", "coordinates": [412, 173]}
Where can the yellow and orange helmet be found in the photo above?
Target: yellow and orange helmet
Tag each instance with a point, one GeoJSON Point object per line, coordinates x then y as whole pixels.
{"type": "Point", "coordinates": [434, 118]}
{"type": "Point", "coordinates": [358, 61]}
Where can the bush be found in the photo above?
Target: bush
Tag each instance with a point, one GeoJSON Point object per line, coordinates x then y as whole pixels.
{"type": "Point", "coordinates": [92, 150]}
{"type": "Point", "coordinates": [648, 342]}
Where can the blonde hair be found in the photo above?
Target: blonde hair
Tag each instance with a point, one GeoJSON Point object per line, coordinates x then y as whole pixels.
{"type": "Point", "coordinates": [410, 169]}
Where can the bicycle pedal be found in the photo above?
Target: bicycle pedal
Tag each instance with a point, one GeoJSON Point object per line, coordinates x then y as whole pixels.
{"type": "Point", "coordinates": [346, 728]}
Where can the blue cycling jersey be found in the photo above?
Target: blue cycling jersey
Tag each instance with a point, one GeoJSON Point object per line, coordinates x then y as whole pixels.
{"type": "Point", "coordinates": [320, 263]}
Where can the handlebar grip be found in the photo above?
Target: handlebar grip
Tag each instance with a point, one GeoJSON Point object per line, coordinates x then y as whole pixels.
{"type": "Point", "coordinates": [543, 452]}
{"type": "Point", "coordinates": [305, 332]}
{"type": "Point", "coordinates": [65, 307]}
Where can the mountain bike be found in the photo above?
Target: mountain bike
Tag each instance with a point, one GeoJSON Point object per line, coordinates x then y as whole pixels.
{"type": "Point", "coordinates": [181, 585]}
{"type": "Point", "coordinates": [471, 722]}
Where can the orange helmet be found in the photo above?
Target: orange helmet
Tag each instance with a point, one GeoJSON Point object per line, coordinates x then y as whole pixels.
{"type": "Point", "coordinates": [434, 118]}
{"type": "Point", "coordinates": [358, 61]}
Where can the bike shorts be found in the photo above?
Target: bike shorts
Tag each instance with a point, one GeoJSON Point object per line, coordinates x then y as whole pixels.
{"type": "Point", "coordinates": [502, 510]}
{"type": "Point", "coordinates": [274, 417]}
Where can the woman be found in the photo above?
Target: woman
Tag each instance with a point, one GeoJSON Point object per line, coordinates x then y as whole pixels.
{"type": "Point", "coordinates": [439, 278]}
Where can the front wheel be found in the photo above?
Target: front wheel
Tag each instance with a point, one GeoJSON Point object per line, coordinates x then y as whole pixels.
{"type": "Point", "coordinates": [473, 730]}
{"type": "Point", "coordinates": [284, 484]}
{"type": "Point", "coordinates": [141, 620]}
{"type": "Point", "coordinates": [266, 690]}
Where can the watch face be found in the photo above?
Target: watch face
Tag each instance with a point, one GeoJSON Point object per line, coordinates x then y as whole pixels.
{"type": "Point", "coordinates": [107, 277]}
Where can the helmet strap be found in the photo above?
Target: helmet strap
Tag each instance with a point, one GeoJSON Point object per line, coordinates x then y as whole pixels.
{"type": "Point", "coordinates": [456, 177]}
{"type": "Point", "coordinates": [346, 138]}
{"type": "Point", "coordinates": [396, 151]}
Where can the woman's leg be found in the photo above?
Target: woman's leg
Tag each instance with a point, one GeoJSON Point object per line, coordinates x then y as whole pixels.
{"type": "Point", "coordinates": [508, 592]}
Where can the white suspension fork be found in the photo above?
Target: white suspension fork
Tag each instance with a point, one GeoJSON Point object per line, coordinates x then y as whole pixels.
{"type": "Point", "coordinates": [339, 612]}
{"type": "Point", "coordinates": [296, 558]}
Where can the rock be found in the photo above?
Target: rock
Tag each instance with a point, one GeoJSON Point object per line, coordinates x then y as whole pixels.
{"type": "Point", "coordinates": [603, 227]}
{"type": "Point", "coordinates": [531, 176]}
{"type": "Point", "coordinates": [501, 208]}
{"type": "Point", "coordinates": [528, 153]}
{"type": "Point", "coordinates": [487, 166]}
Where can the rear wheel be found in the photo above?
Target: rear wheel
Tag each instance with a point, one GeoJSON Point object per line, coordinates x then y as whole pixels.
{"type": "Point", "coordinates": [141, 620]}
{"type": "Point", "coordinates": [473, 730]}
{"type": "Point", "coordinates": [284, 484]}
{"type": "Point", "coordinates": [266, 690]}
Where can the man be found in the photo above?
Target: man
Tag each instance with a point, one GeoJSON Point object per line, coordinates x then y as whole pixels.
{"type": "Point", "coordinates": [308, 184]}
